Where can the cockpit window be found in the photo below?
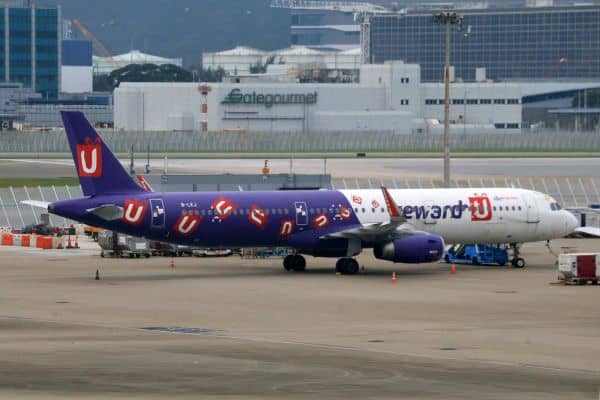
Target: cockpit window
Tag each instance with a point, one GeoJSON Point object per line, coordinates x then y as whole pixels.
{"type": "Point", "coordinates": [555, 206]}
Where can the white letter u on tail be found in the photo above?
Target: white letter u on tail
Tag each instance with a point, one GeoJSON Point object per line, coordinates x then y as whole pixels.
{"type": "Point", "coordinates": [94, 162]}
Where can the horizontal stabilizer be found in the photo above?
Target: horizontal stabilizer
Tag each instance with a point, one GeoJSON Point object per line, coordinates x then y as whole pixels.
{"type": "Point", "coordinates": [108, 212]}
{"type": "Point", "coordinates": [36, 203]}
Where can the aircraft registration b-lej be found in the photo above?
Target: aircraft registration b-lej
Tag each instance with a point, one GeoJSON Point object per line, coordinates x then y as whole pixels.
{"type": "Point", "coordinates": [402, 225]}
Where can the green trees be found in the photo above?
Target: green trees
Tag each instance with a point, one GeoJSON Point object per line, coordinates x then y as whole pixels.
{"type": "Point", "coordinates": [154, 73]}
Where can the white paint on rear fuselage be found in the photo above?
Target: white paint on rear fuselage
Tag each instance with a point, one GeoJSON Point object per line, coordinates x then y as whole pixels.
{"type": "Point", "coordinates": [502, 215]}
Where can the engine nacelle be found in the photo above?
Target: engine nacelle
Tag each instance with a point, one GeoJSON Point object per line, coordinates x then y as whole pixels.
{"type": "Point", "coordinates": [411, 249]}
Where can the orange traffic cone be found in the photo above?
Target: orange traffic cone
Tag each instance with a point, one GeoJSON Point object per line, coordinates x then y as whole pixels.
{"type": "Point", "coordinates": [172, 263]}
{"type": "Point", "coordinates": [76, 242]}
{"type": "Point", "coordinates": [394, 277]}
{"type": "Point", "coordinates": [69, 244]}
{"type": "Point", "coordinates": [453, 269]}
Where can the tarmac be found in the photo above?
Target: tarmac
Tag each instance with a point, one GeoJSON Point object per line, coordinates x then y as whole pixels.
{"type": "Point", "coordinates": [244, 328]}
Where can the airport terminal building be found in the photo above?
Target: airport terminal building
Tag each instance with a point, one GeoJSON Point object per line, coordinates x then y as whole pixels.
{"type": "Point", "coordinates": [388, 97]}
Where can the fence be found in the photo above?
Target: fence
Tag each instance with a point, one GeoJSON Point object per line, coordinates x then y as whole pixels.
{"type": "Point", "coordinates": [277, 142]}
{"type": "Point", "coordinates": [570, 192]}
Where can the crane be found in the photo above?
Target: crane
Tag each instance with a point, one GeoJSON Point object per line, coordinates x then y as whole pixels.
{"type": "Point", "coordinates": [98, 46]}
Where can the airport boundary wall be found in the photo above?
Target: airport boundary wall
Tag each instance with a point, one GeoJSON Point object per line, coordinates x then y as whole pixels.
{"type": "Point", "coordinates": [571, 192]}
{"type": "Point", "coordinates": [294, 142]}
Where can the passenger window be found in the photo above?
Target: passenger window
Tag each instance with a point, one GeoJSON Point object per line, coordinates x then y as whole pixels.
{"type": "Point", "coordinates": [513, 208]}
{"type": "Point", "coordinates": [500, 208]}
{"type": "Point", "coordinates": [494, 208]}
{"type": "Point", "coordinates": [363, 210]}
{"type": "Point", "coordinates": [382, 209]}
{"type": "Point", "coordinates": [356, 210]}
{"type": "Point", "coordinates": [372, 210]}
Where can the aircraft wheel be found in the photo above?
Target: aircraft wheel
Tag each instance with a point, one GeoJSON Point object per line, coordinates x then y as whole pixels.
{"type": "Point", "coordinates": [475, 261]}
{"type": "Point", "coordinates": [341, 266]}
{"type": "Point", "coordinates": [352, 267]}
{"type": "Point", "coordinates": [518, 262]}
{"type": "Point", "coordinates": [287, 262]}
{"type": "Point", "coordinates": [299, 263]}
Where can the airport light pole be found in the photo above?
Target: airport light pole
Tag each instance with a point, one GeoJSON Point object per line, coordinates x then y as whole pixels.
{"type": "Point", "coordinates": [448, 19]}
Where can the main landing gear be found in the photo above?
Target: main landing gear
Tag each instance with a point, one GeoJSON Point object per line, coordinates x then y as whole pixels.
{"type": "Point", "coordinates": [516, 261]}
{"type": "Point", "coordinates": [294, 262]}
{"type": "Point", "coordinates": [347, 266]}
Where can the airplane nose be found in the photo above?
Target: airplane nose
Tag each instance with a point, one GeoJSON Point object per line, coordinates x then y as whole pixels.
{"type": "Point", "coordinates": [571, 222]}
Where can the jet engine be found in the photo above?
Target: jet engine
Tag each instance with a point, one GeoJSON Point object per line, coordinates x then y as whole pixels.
{"type": "Point", "coordinates": [412, 249]}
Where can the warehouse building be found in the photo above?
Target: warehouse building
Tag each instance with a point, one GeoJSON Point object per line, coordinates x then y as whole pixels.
{"type": "Point", "coordinates": [388, 97]}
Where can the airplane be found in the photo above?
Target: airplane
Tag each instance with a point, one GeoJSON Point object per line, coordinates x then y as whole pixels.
{"type": "Point", "coordinates": [402, 225]}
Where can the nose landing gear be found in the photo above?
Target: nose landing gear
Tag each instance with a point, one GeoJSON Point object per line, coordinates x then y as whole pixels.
{"type": "Point", "coordinates": [517, 261]}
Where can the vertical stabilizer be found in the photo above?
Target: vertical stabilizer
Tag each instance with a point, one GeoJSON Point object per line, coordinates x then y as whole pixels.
{"type": "Point", "coordinates": [98, 169]}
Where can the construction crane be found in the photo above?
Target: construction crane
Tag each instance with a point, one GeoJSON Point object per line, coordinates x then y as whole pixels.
{"type": "Point", "coordinates": [98, 46]}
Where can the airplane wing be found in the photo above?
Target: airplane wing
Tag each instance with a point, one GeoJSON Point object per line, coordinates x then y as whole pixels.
{"type": "Point", "coordinates": [588, 231]}
{"type": "Point", "coordinates": [36, 203]}
{"type": "Point", "coordinates": [397, 226]}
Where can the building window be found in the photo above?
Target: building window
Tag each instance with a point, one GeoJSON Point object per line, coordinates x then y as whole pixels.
{"type": "Point", "coordinates": [404, 102]}
{"type": "Point", "coordinates": [441, 101]}
{"type": "Point", "coordinates": [404, 80]}
{"type": "Point", "coordinates": [430, 101]}
{"type": "Point", "coordinates": [458, 101]}
{"type": "Point", "coordinates": [485, 101]}
{"type": "Point", "coordinates": [513, 101]}
{"type": "Point", "coordinates": [472, 101]}
{"type": "Point", "coordinates": [512, 126]}
{"type": "Point", "coordinates": [499, 101]}
{"type": "Point", "coordinates": [499, 126]}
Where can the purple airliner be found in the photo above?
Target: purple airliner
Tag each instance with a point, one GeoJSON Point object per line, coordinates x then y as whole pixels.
{"type": "Point", "coordinates": [305, 220]}
{"type": "Point", "coordinates": [321, 223]}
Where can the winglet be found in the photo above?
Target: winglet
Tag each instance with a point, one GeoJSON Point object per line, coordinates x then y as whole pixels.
{"type": "Point", "coordinates": [393, 210]}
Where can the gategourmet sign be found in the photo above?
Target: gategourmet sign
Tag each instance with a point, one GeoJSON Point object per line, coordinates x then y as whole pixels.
{"type": "Point", "coordinates": [268, 100]}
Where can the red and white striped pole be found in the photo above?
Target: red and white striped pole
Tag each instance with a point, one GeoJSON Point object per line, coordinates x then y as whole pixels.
{"type": "Point", "coordinates": [204, 89]}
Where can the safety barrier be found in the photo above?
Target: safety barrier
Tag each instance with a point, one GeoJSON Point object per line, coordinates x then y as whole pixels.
{"type": "Point", "coordinates": [37, 241]}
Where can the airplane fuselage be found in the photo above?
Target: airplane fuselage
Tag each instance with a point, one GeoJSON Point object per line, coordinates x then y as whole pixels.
{"type": "Point", "coordinates": [299, 218]}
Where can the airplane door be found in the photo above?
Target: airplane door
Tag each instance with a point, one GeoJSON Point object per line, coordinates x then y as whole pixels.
{"type": "Point", "coordinates": [158, 213]}
{"type": "Point", "coordinates": [533, 213]}
{"type": "Point", "coordinates": [301, 213]}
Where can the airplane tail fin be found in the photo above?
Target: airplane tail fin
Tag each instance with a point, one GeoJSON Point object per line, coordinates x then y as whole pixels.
{"type": "Point", "coordinates": [98, 169]}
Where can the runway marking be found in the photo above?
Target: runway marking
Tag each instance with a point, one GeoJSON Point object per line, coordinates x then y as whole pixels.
{"type": "Point", "coordinates": [312, 345]}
